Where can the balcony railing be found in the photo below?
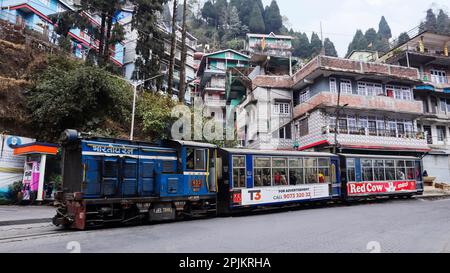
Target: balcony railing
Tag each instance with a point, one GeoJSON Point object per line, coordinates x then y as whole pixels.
{"type": "Point", "coordinates": [427, 77]}
{"type": "Point", "coordinates": [374, 132]}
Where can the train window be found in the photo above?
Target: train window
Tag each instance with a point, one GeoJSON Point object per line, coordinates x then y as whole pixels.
{"type": "Point", "coordinates": [311, 176]}
{"type": "Point", "coordinates": [239, 172]}
{"type": "Point", "coordinates": [168, 166]}
{"type": "Point", "coordinates": [400, 173]}
{"type": "Point", "coordinates": [410, 170]}
{"type": "Point", "coordinates": [324, 170]}
{"type": "Point", "coordinates": [110, 168]}
{"type": "Point", "coordinates": [296, 172]}
{"type": "Point", "coordinates": [195, 159]}
{"type": "Point", "coordinates": [367, 169]}
{"type": "Point", "coordinates": [279, 171]}
{"type": "Point", "coordinates": [351, 176]}
{"type": "Point", "coordinates": [389, 169]}
{"type": "Point", "coordinates": [262, 172]}
{"type": "Point", "coordinates": [378, 169]}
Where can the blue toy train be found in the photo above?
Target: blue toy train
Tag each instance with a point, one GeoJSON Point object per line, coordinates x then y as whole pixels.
{"type": "Point", "coordinates": [109, 181]}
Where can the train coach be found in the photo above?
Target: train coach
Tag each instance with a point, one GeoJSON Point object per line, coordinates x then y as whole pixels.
{"type": "Point", "coordinates": [119, 181]}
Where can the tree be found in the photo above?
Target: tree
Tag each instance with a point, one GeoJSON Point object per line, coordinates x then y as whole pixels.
{"type": "Point", "coordinates": [173, 46]}
{"type": "Point", "coordinates": [443, 23]}
{"type": "Point", "coordinates": [154, 115]}
{"type": "Point", "coordinates": [247, 8]}
{"type": "Point", "coordinates": [183, 55]}
{"type": "Point", "coordinates": [234, 23]}
{"type": "Point", "coordinates": [430, 23]}
{"type": "Point", "coordinates": [272, 18]}
{"type": "Point", "coordinates": [403, 38]}
{"type": "Point", "coordinates": [149, 53]}
{"type": "Point", "coordinates": [359, 42]}
{"type": "Point", "coordinates": [301, 46]}
{"type": "Point", "coordinates": [383, 29]}
{"type": "Point", "coordinates": [330, 50]}
{"type": "Point", "coordinates": [371, 36]}
{"type": "Point", "coordinates": [316, 44]}
{"type": "Point", "coordinates": [70, 94]}
{"type": "Point", "coordinates": [209, 12]}
{"type": "Point", "coordinates": [256, 22]}
{"type": "Point", "coordinates": [221, 7]}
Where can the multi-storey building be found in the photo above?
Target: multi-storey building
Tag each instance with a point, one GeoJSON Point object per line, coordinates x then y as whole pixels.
{"type": "Point", "coordinates": [212, 72]}
{"type": "Point", "coordinates": [429, 53]}
{"type": "Point", "coordinates": [35, 15]}
{"type": "Point", "coordinates": [377, 112]}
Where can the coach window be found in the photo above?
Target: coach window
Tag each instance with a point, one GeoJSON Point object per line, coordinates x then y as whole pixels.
{"type": "Point", "coordinates": [262, 172]}
{"type": "Point", "coordinates": [378, 169]}
{"type": "Point", "coordinates": [296, 172]}
{"type": "Point", "coordinates": [110, 168]}
{"type": "Point", "coordinates": [195, 159]}
{"type": "Point", "coordinates": [239, 172]}
{"type": "Point", "coordinates": [351, 176]}
{"type": "Point", "coordinates": [324, 170]}
{"type": "Point", "coordinates": [390, 169]}
{"type": "Point", "coordinates": [311, 171]}
{"type": "Point", "coordinates": [279, 171]}
{"type": "Point", "coordinates": [410, 175]}
{"type": "Point", "coordinates": [400, 173]}
{"type": "Point", "coordinates": [367, 169]}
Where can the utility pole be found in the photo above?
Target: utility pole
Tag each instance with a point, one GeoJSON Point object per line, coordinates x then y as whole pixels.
{"type": "Point", "coordinates": [183, 56]}
{"type": "Point", "coordinates": [173, 46]}
{"type": "Point", "coordinates": [322, 50]}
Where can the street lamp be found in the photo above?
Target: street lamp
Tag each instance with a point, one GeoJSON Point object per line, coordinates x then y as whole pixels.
{"type": "Point", "coordinates": [135, 86]}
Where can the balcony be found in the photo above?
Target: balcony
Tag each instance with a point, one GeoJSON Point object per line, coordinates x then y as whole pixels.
{"type": "Point", "coordinates": [435, 80]}
{"type": "Point", "coordinates": [376, 103]}
{"type": "Point", "coordinates": [215, 103]}
{"type": "Point", "coordinates": [317, 66]}
{"type": "Point", "coordinates": [376, 139]}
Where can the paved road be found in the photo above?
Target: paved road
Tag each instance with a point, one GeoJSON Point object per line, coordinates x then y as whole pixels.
{"type": "Point", "coordinates": [392, 226]}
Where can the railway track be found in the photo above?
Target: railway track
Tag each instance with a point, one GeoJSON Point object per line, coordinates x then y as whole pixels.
{"type": "Point", "coordinates": [37, 235]}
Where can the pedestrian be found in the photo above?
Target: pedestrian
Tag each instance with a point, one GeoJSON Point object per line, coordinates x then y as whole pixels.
{"type": "Point", "coordinates": [425, 173]}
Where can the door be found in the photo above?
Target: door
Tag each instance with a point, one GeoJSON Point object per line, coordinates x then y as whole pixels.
{"type": "Point", "coordinates": [146, 177]}
{"type": "Point", "coordinates": [110, 177]}
{"type": "Point", "coordinates": [129, 177]}
{"type": "Point", "coordinates": [91, 185]}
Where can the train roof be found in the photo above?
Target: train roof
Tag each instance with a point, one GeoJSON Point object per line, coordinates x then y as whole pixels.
{"type": "Point", "coordinates": [277, 153]}
{"type": "Point", "coordinates": [195, 144]}
{"type": "Point", "coordinates": [380, 156]}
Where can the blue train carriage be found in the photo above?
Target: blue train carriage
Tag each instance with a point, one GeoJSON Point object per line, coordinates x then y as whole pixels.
{"type": "Point", "coordinates": [366, 176]}
{"type": "Point", "coordinates": [120, 181]}
{"type": "Point", "coordinates": [252, 179]}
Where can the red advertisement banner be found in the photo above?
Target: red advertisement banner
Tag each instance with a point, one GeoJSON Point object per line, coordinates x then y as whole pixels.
{"type": "Point", "coordinates": [366, 188]}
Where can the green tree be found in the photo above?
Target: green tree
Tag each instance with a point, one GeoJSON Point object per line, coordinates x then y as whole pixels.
{"type": "Point", "coordinates": [443, 23]}
{"type": "Point", "coordinates": [403, 38]}
{"type": "Point", "coordinates": [371, 36]}
{"type": "Point", "coordinates": [359, 42]}
{"type": "Point", "coordinates": [209, 13]}
{"type": "Point", "coordinates": [234, 23]}
{"type": "Point", "coordinates": [273, 18]}
{"type": "Point", "coordinates": [256, 22]}
{"type": "Point", "coordinates": [153, 111]}
{"type": "Point", "coordinates": [330, 50]}
{"type": "Point", "coordinates": [70, 94]}
{"type": "Point", "coordinates": [221, 7]}
{"type": "Point", "coordinates": [301, 46]}
{"type": "Point", "coordinates": [149, 53]}
{"type": "Point", "coordinates": [316, 44]}
{"type": "Point", "coordinates": [383, 29]}
{"type": "Point", "coordinates": [430, 23]}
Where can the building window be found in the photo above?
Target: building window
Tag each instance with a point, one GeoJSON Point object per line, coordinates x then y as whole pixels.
{"type": "Point", "coordinates": [399, 92]}
{"type": "Point", "coordinates": [370, 89]}
{"type": "Point", "coordinates": [303, 127]}
{"type": "Point", "coordinates": [304, 96]}
{"type": "Point", "coordinates": [346, 87]}
{"type": "Point", "coordinates": [282, 108]}
{"type": "Point", "coordinates": [333, 85]}
{"type": "Point", "coordinates": [239, 172]}
{"type": "Point", "coordinates": [441, 133]}
{"type": "Point", "coordinates": [438, 76]}
{"type": "Point", "coordinates": [285, 132]}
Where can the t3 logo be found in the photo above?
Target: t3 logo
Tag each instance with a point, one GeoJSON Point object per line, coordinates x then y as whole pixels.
{"type": "Point", "coordinates": [255, 195]}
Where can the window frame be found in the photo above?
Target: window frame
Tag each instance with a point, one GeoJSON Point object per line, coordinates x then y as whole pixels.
{"type": "Point", "coordinates": [239, 168]}
{"type": "Point", "coordinates": [346, 86]}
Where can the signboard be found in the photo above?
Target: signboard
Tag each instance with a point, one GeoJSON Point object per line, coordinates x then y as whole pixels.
{"type": "Point", "coordinates": [258, 196]}
{"type": "Point", "coordinates": [11, 166]}
{"type": "Point", "coordinates": [367, 188]}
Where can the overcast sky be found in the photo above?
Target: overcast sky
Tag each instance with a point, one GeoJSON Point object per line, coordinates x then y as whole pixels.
{"type": "Point", "coordinates": [341, 18]}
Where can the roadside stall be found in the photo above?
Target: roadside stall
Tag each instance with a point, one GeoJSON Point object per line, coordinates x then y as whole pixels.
{"type": "Point", "coordinates": [33, 181]}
